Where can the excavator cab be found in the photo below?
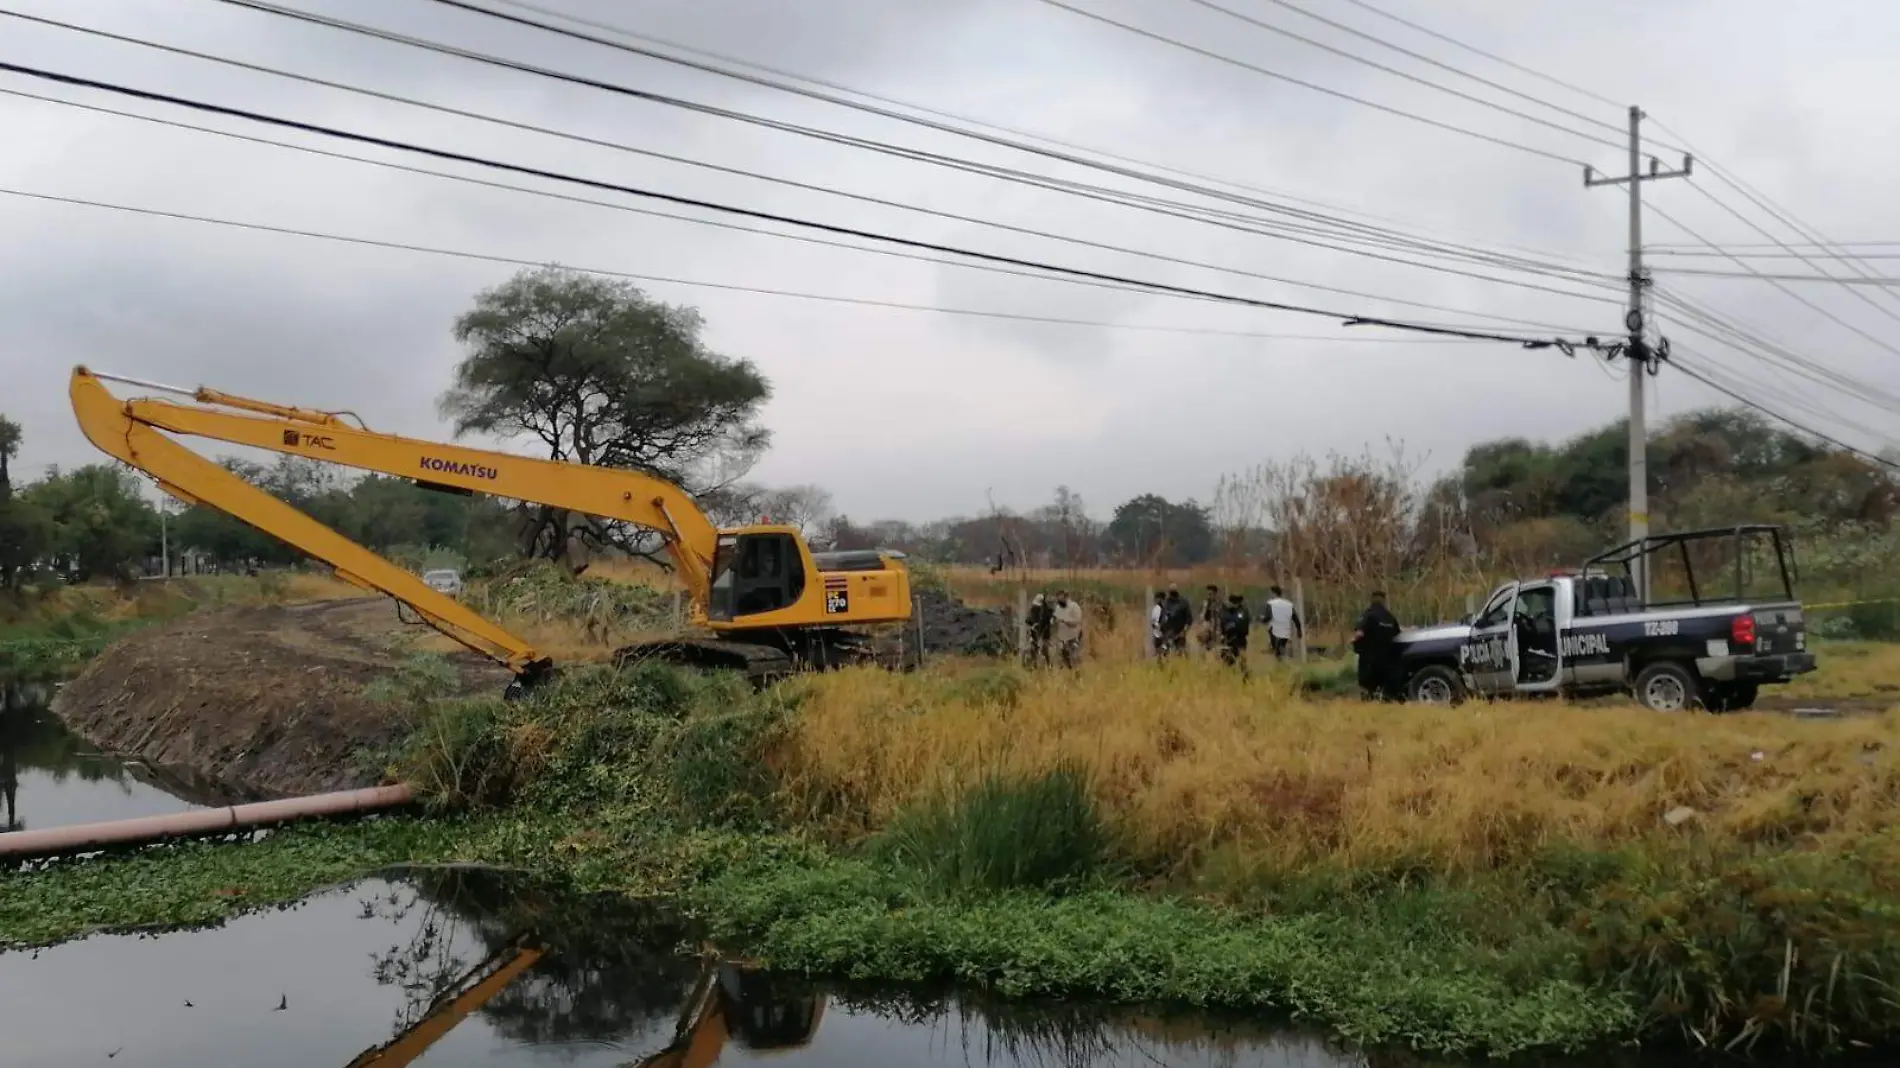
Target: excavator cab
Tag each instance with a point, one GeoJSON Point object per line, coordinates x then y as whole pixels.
{"type": "Point", "coordinates": [766, 576]}
{"type": "Point", "coordinates": [755, 572]}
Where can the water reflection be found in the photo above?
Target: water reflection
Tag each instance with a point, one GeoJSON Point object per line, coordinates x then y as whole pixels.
{"type": "Point", "coordinates": [49, 777]}
{"type": "Point", "coordinates": [458, 968]}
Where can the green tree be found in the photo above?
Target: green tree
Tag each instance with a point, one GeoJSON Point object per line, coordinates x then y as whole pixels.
{"type": "Point", "coordinates": [26, 537]}
{"type": "Point", "coordinates": [102, 525]}
{"type": "Point", "coordinates": [10, 436]}
{"type": "Point", "coordinates": [599, 373]}
{"type": "Point", "coordinates": [1152, 529]}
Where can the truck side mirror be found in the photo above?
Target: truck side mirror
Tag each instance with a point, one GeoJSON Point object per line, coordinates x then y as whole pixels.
{"type": "Point", "coordinates": [1467, 619]}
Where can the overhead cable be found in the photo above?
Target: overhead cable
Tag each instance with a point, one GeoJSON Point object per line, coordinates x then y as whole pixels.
{"type": "Point", "coordinates": [958, 117]}
{"type": "Point", "coordinates": [805, 238]}
{"type": "Point", "coordinates": [1220, 57]}
{"type": "Point", "coordinates": [1172, 209]}
{"type": "Point", "coordinates": [1346, 318]}
{"type": "Point", "coordinates": [1492, 56]}
{"type": "Point", "coordinates": [1407, 75]}
{"type": "Point", "coordinates": [703, 284]}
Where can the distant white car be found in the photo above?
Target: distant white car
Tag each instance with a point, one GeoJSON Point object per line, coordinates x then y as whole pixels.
{"type": "Point", "coordinates": [446, 581]}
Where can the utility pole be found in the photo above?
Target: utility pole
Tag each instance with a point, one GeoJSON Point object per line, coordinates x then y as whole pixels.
{"type": "Point", "coordinates": [1638, 355]}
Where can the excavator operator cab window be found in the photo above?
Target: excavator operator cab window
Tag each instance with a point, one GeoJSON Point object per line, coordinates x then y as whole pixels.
{"type": "Point", "coordinates": [754, 573]}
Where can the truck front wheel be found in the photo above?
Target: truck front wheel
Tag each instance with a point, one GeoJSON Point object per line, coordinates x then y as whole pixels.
{"type": "Point", "coordinates": [1435, 685]}
{"type": "Point", "coordinates": [1667, 686]}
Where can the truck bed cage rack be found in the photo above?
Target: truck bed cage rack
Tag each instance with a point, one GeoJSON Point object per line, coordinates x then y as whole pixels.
{"type": "Point", "coordinates": [1654, 545]}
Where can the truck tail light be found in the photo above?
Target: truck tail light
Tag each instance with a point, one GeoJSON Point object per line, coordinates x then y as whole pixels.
{"type": "Point", "coordinates": [1741, 631]}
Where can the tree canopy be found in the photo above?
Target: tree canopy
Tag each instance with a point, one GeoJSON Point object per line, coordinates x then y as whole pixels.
{"type": "Point", "coordinates": [599, 373]}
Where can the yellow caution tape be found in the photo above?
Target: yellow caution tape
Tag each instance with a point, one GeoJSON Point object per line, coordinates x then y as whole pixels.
{"type": "Point", "coordinates": [1850, 604]}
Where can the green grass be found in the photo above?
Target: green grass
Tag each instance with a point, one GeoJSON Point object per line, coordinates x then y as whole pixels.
{"type": "Point", "coordinates": [1008, 833]}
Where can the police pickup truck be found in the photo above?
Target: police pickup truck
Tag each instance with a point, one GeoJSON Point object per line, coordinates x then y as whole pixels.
{"type": "Point", "coordinates": [1721, 621]}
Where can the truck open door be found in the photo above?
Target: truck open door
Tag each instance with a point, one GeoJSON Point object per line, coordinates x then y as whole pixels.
{"type": "Point", "coordinates": [1486, 659]}
{"type": "Point", "coordinates": [1535, 647]}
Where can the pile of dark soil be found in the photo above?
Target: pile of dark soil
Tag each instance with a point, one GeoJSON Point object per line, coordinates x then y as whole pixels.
{"type": "Point", "coordinates": [264, 702]}
{"type": "Point", "coordinates": [950, 626]}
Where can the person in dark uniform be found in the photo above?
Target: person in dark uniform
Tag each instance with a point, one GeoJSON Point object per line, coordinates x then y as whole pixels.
{"type": "Point", "coordinates": [1375, 639]}
{"type": "Point", "coordinates": [1041, 621]}
{"type": "Point", "coordinates": [1235, 622]}
{"type": "Point", "coordinates": [1176, 619]}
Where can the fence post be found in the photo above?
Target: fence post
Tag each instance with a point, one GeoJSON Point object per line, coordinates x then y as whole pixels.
{"type": "Point", "coordinates": [917, 610]}
{"type": "Point", "coordinates": [1022, 623]}
{"type": "Point", "coordinates": [1299, 606]}
{"type": "Point", "coordinates": [1147, 623]}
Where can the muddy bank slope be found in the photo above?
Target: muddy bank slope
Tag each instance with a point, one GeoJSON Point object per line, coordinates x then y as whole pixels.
{"type": "Point", "coordinates": [264, 702]}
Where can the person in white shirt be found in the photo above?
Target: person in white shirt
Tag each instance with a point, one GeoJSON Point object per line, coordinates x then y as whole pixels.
{"type": "Point", "coordinates": [1068, 629]}
{"type": "Point", "coordinates": [1154, 622]}
{"type": "Point", "coordinates": [1283, 622]}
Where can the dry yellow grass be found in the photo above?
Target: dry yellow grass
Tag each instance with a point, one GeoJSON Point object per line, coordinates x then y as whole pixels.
{"type": "Point", "coordinates": [1203, 774]}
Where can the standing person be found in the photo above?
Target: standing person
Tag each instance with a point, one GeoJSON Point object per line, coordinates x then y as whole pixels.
{"type": "Point", "coordinates": [1235, 622]}
{"type": "Point", "coordinates": [1068, 629]}
{"type": "Point", "coordinates": [1209, 629]}
{"type": "Point", "coordinates": [1374, 639]}
{"type": "Point", "coordinates": [1176, 619]}
{"type": "Point", "coordinates": [1283, 622]}
{"type": "Point", "coordinates": [1040, 620]}
{"type": "Point", "coordinates": [1155, 613]}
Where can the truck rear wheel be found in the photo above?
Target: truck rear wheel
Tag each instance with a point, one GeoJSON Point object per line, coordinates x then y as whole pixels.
{"type": "Point", "coordinates": [1435, 685]}
{"type": "Point", "coordinates": [1667, 686]}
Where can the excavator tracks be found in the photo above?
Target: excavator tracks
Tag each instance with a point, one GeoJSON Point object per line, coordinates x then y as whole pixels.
{"type": "Point", "coordinates": [762, 663]}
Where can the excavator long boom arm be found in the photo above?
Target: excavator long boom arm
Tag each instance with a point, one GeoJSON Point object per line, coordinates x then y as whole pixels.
{"type": "Point", "coordinates": [131, 431]}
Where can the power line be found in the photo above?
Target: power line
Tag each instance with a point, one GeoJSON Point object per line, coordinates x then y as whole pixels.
{"type": "Point", "coordinates": [1759, 276]}
{"type": "Point", "coordinates": [1786, 219]}
{"type": "Point", "coordinates": [1442, 65]}
{"type": "Point", "coordinates": [1337, 94]}
{"type": "Point", "coordinates": [750, 213]}
{"type": "Point", "coordinates": [570, 198]}
{"type": "Point", "coordinates": [1669, 247]}
{"type": "Point", "coordinates": [1706, 379]}
{"type": "Point", "coordinates": [805, 238]}
{"type": "Point", "coordinates": [1407, 75]}
{"type": "Point", "coordinates": [1732, 251]}
{"type": "Point", "coordinates": [1492, 56]}
{"type": "Point", "coordinates": [1805, 302]}
{"type": "Point", "coordinates": [1171, 209]}
{"type": "Point", "coordinates": [1095, 150]}
{"type": "Point", "coordinates": [726, 286]}
{"type": "Point", "coordinates": [1781, 360]}
{"type": "Point", "coordinates": [1763, 231]}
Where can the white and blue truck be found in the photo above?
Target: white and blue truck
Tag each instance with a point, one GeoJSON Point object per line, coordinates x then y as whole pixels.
{"type": "Point", "coordinates": [1720, 621]}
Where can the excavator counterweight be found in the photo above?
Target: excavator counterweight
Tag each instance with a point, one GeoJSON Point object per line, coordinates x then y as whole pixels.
{"type": "Point", "coordinates": [771, 605]}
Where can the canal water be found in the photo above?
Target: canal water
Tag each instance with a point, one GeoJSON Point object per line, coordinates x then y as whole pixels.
{"type": "Point", "coordinates": [49, 777]}
{"type": "Point", "coordinates": [464, 968]}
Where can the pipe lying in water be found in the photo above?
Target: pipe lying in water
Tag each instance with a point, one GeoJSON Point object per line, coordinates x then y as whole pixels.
{"type": "Point", "coordinates": [81, 837]}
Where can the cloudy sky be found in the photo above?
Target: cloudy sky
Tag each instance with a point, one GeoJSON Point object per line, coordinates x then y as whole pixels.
{"type": "Point", "coordinates": [919, 413]}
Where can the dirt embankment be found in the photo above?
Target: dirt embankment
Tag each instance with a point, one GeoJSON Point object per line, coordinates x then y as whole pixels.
{"type": "Point", "coordinates": [265, 702]}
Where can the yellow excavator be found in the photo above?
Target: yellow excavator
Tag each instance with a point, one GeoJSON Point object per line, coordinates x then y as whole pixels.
{"type": "Point", "coordinates": [729, 1001]}
{"type": "Point", "coordinates": [772, 605]}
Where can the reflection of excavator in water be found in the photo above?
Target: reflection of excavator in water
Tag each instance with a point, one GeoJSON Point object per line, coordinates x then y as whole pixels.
{"type": "Point", "coordinates": [772, 604]}
{"type": "Point", "coordinates": [728, 1001]}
